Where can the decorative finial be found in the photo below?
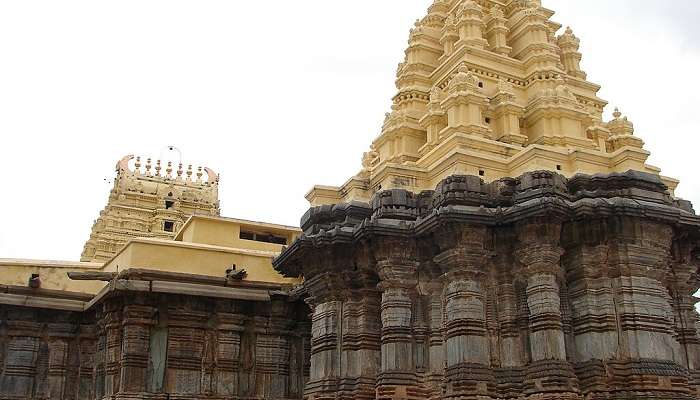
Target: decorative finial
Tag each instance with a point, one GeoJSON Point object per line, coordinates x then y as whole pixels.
{"type": "Point", "coordinates": [158, 168]}
{"type": "Point", "coordinates": [148, 166]}
{"type": "Point", "coordinates": [179, 171]}
{"type": "Point", "coordinates": [569, 31]}
{"type": "Point", "coordinates": [617, 114]}
{"type": "Point", "coordinates": [189, 172]}
{"type": "Point", "coordinates": [137, 165]}
{"type": "Point", "coordinates": [169, 170]}
{"type": "Point", "coordinates": [199, 174]}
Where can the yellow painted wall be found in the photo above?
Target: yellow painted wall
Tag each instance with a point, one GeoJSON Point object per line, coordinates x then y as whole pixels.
{"type": "Point", "coordinates": [53, 275]}
{"type": "Point", "coordinates": [202, 259]}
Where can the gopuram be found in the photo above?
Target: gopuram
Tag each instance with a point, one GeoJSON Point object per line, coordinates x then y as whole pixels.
{"type": "Point", "coordinates": [502, 241]}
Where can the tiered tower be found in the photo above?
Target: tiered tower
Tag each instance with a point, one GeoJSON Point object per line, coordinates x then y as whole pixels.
{"type": "Point", "coordinates": [150, 202]}
{"type": "Point", "coordinates": [487, 88]}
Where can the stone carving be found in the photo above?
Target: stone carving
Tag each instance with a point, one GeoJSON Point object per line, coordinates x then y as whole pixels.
{"type": "Point", "coordinates": [145, 345]}
{"type": "Point", "coordinates": [539, 287]}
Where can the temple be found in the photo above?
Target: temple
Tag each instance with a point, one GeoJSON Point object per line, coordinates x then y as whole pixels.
{"type": "Point", "coordinates": [147, 201]}
{"type": "Point", "coordinates": [488, 89]}
{"type": "Point", "coordinates": [501, 242]}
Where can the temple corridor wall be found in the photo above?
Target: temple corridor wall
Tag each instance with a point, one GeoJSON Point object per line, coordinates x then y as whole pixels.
{"type": "Point", "coordinates": [136, 346]}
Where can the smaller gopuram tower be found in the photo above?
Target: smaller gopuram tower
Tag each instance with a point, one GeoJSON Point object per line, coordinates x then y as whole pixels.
{"type": "Point", "coordinates": [150, 200]}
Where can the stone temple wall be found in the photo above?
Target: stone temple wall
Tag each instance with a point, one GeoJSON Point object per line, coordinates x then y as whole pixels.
{"type": "Point", "coordinates": [539, 287]}
{"type": "Point", "coordinates": [156, 346]}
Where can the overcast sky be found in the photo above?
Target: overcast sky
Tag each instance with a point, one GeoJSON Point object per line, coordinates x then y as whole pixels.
{"type": "Point", "coordinates": [275, 95]}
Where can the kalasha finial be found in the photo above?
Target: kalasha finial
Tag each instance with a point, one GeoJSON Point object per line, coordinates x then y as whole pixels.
{"type": "Point", "coordinates": [137, 165]}
{"type": "Point", "coordinates": [189, 172]}
{"type": "Point", "coordinates": [617, 114]}
{"type": "Point", "coordinates": [148, 166]}
{"type": "Point", "coordinates": [169, 170]}
{"type": "Point", "coordinates": [158, 168]}
{"type": "Point", "coordinates": [199, 174]}
{"type": "Point", "coordinates": [179, 171]}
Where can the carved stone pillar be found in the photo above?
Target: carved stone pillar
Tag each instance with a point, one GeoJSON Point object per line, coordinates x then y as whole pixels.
{"type": "Point", "coordinates": [299, 357]}
{"type": "Point", "coordinates": [87, 346]}
{"type": "Point", "coordinates": [361, 350]}
{"type": "Point", "coordinates": [272, 360]}
{"type": "Point", "coordinates": [59, 337]}
{"type": "Point", "coordinates": [510, 347]}
{"type": "Point", "coordinates": [136, 323]}
{"type": "Point", "coordinates": [186, 338]}
{"type": "Point", "coordinates": [397, 267]}
{"type": "Point", "coordinates": [592, 303]}
{"type": "Point", "coordinates": [684, 283]}
{"type": "Point", "coordinates": [467, 345]}
{"type": "Point", "coordinates": [19, 371]}
{"type": "Point", "coordinates": [100, 356]}
{"type": "Point", "coordinates": [326, 302]}
{"type": "Point", "coordinates": [230, 326]}
{"type": "Point", "coordinates": [112, 347]}
{"type": "Point", "coordinates": [436, 339]}
{"type": "Point", "coordinates": [539, 253]}
{"type": "Point", "coordinates": [639, 257]}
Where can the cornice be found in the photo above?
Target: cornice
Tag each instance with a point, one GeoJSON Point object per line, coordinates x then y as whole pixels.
{"type": "Point", "coordinates": [468, 200]}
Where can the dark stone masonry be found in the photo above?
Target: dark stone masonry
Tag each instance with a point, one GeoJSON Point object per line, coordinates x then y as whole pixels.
{"type": "Point", "coordinates": [245, 342]}
{"type": "Point", "coordinates": [537, 287]}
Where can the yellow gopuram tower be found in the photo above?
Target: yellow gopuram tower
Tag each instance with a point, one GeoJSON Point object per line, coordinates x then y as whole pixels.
{"type": "Point", "coordinates": [150, 203]}
{"type": "Point", "coordinates": [487, 88]}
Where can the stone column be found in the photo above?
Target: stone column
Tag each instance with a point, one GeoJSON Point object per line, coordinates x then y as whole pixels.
{"type": "Point", "coordinates": [467, 346]}
{"type": "Point", "coordinates": [509, 338]}
{"type": "Point", "coordinates": [539, 253]}
{"type": "Point", "coordinates": [684, 283]}
{"type": "Point", "coordinates": [397, 267]}
{"type": "Point", "coordinates": [230, 326]}
{"type": "Point", "coordinates": [272, 353]}
{"type": "Point", "coordinates": [112, 342]}
{"type": "Point", "coordinates": [326, 302]}
{"type": "Point", "coordinates": [361, 349]}
{"type": "Point", "coordinates": [59, 336]}
{"type": "Point", "coordinates": [640, 255]}
{"type": "Point", "coordinates": [136, 323]}
{"type": "Point", "coordinates": [641, 265]}
{"type": "Point", "coordinates": [436, 339]}
{"type": "Point", "coordinates": [592, 302]}
{"type": "Point", "coordinates": [19, 371]}
{"type": "Point", "coordinates": [186, 337]}
{"type": "Point", "coordinates": [87, 346]}
{"type": "Point", "coordinates": [299, 357]}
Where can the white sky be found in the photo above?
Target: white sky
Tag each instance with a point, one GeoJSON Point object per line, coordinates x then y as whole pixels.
{"type": "Point", "coordinates": [275, 95]}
